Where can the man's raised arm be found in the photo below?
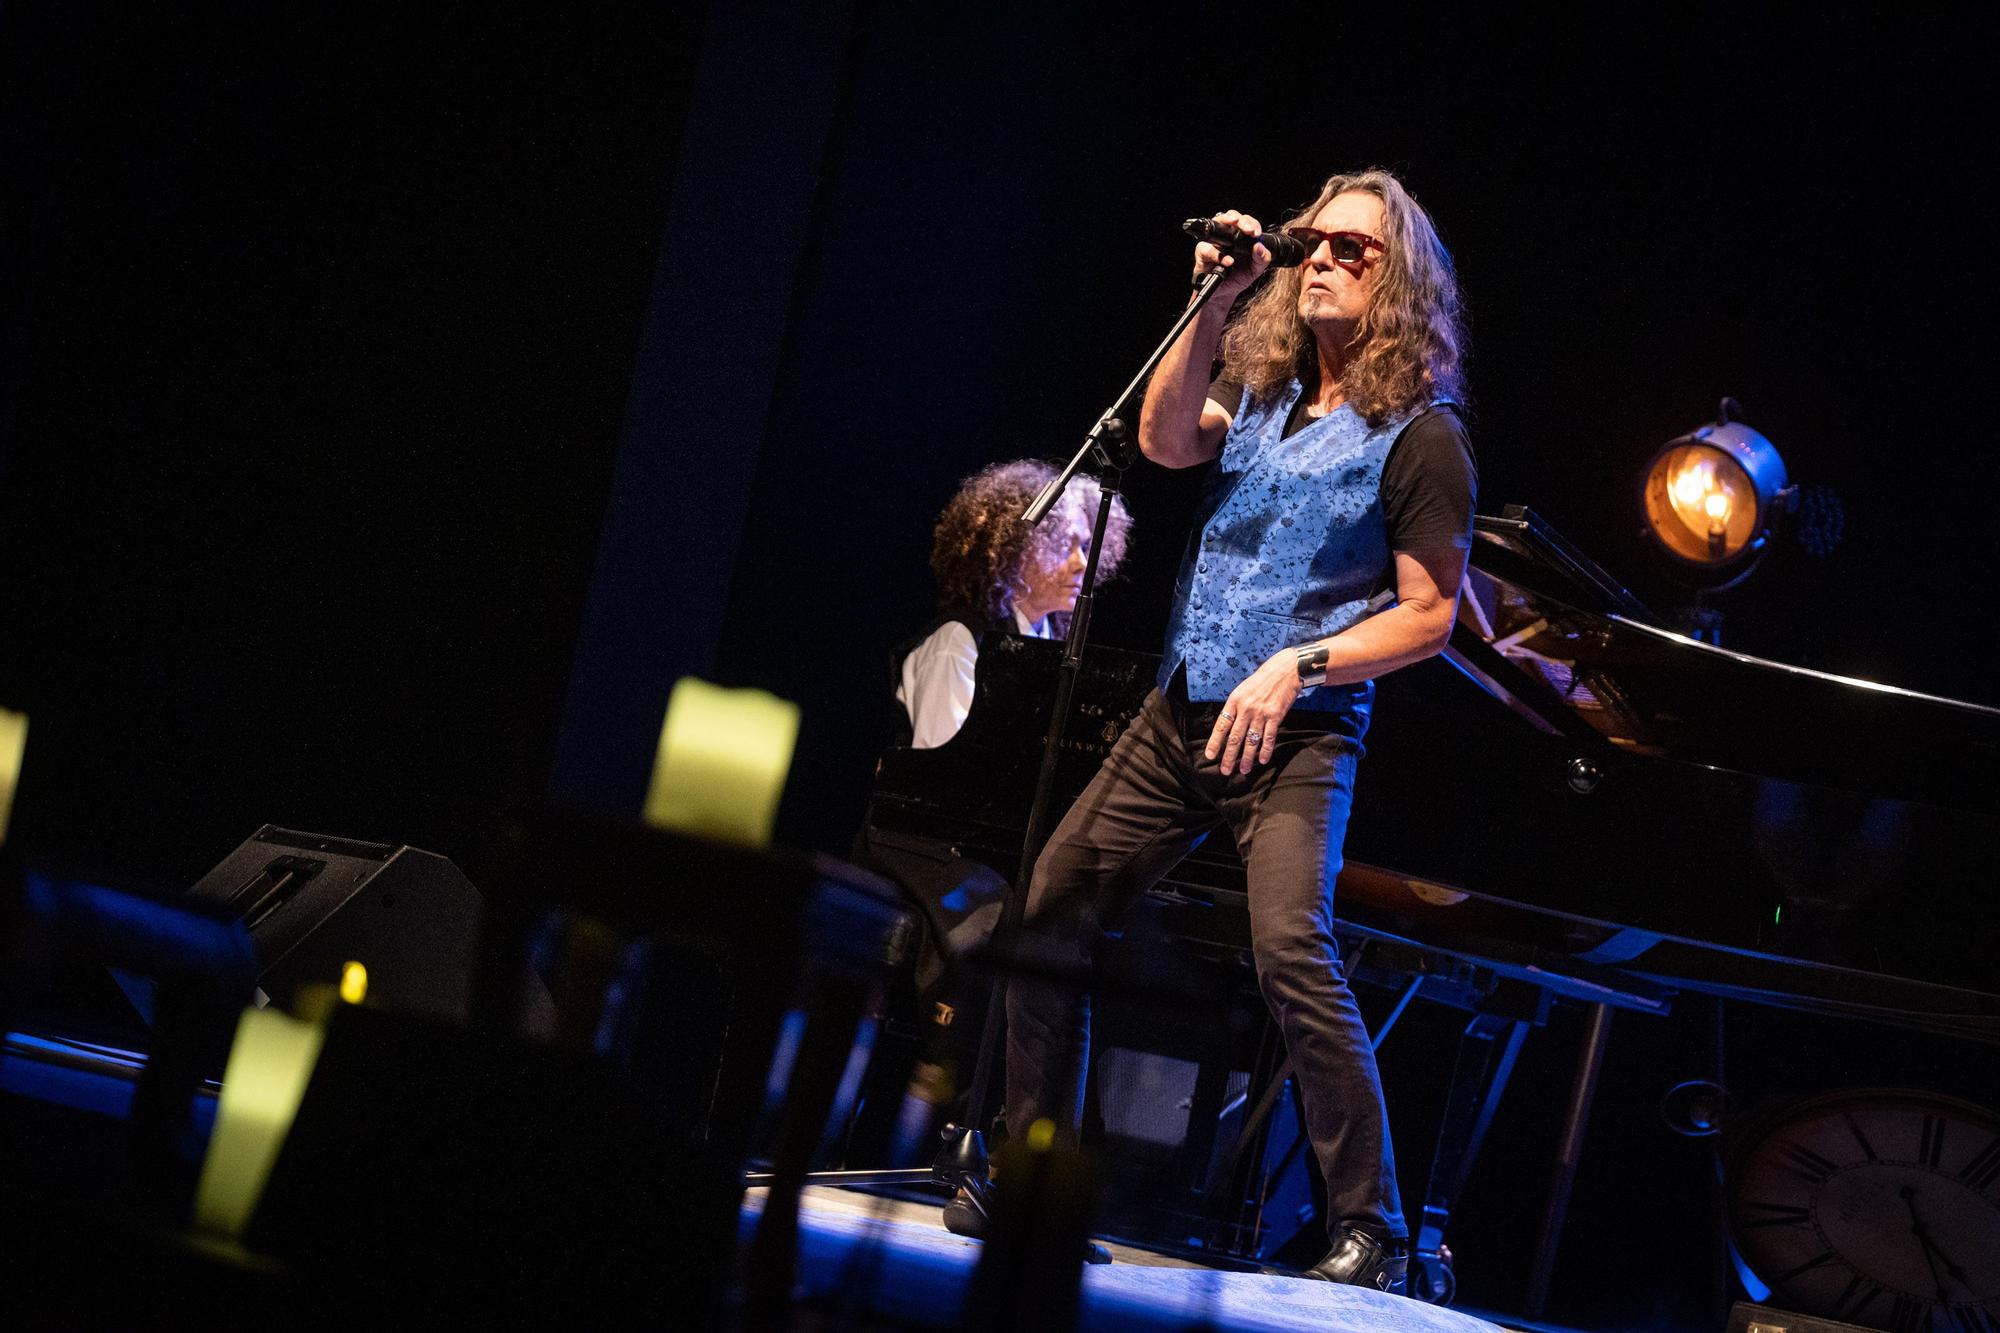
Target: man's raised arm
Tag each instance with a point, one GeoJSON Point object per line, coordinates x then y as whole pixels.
{"type": "Point", "coordinates": [1178, 425]}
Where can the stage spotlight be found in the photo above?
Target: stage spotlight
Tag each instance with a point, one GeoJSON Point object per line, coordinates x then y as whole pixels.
{"type": "Point", "coordinates": [1711, 496]}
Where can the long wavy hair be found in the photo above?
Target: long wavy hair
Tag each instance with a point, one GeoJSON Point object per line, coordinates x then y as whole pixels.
{"type": "Point", "coordinates": [982, 554]}
{"type": "Point", "coordinates": [1411, 341]}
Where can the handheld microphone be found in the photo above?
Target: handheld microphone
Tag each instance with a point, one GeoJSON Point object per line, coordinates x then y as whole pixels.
{"type": "Point", "coordinates": [1286, 252]}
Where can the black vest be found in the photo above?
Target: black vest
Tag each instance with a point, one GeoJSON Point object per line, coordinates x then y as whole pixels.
{"type": "Point", "coordinates": [901, 730]}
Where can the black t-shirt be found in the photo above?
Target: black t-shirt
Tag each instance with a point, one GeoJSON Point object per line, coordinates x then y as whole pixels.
{"type": "Point", "coordinates": [1429, 480]}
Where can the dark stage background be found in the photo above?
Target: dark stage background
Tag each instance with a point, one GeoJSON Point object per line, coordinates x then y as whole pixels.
{"type": "Point", "coordinates": [391, 407]}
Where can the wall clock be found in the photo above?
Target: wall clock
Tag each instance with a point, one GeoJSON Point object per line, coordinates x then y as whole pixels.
{"type": "Point", "coordinates": [1874, 1206]}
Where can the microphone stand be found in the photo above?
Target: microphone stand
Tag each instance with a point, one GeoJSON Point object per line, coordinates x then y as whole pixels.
{"type": "Point", "coordinates": [963, 1161]}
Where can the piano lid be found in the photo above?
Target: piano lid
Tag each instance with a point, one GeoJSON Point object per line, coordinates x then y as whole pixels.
{"type": "Point", "coordinates": [1564, 645]}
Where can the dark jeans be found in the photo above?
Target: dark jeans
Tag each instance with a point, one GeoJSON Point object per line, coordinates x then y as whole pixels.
{"type": "Point", "coordinates": [1154, 799]}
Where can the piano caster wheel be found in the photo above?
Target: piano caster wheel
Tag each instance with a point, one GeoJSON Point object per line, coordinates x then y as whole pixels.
{"type": "Point", "coordinates": [1431, 1279]}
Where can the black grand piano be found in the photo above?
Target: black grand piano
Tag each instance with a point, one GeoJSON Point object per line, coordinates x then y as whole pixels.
{"type": "Point", "coordinates": [1636, 815]}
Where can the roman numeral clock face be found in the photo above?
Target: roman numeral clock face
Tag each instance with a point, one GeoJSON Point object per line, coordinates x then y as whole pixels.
{"type": "Point", "coordinates": [1875, 1207]}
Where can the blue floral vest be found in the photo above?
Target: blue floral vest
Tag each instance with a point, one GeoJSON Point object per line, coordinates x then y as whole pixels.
{"type": "Point", "coordinates": [1291, 548]}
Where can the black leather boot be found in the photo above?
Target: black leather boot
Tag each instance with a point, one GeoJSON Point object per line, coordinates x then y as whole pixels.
{"type": "Point", "coordinates": [1359, 1260]}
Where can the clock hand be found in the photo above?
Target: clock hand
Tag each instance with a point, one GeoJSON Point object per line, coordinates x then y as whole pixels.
{"type": "Point", "coordinates": [1957, 1273]}
{"type": "Point", "coordinates": [1932, 1253]}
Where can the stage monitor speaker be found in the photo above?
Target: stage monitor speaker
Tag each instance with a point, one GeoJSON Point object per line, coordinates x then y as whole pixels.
{"type": "Point", "coordinates": [312, 903]}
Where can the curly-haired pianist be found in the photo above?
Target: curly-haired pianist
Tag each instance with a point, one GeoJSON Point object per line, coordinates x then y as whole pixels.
{"type": "Point", "coordinates": [1332, 538]}
{"type": "Point", "coordinates": [995, 572]}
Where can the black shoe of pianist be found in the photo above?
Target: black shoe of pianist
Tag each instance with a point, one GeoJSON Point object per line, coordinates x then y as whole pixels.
{"type": "Point", "coordinates": [1359, 1260]}
{"type": "Point", "coordinates": [966, 1215]}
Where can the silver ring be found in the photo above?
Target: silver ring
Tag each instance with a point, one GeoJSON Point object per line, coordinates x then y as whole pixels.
{"type": "Point", "coordinates": [1253, 735]}
{"type": "Point", "coordinates": [1225, 717]}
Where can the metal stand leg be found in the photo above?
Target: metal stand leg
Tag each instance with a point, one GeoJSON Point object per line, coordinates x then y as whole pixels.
{"type": "Point", "coordinates": [1250, 1137]}
{"type": "Point", "coordinates": [1205, 1110]}
{"type": "Point", "coordinates": [1486, 1055]}
{"type": "Point", "coordinates": [771, 1264]}
{"type": "Point", "coordinates": [1226, 1185]}
{"type": "Point", "coordinates": [1575, 1121]}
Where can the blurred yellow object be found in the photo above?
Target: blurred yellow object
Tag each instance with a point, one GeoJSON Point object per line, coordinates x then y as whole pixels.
{"type": "Point", "coordinates": [270, 1063]}
{"type": "Point", "coordinates": [354, 983]}
{"type": "Point", "coordinates": [722, 762]}
{"type": "Point", "coordinates": [13, 744]}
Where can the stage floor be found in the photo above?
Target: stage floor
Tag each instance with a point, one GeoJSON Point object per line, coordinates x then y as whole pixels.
{"type": "Point", "coordinates": [895, 1260]}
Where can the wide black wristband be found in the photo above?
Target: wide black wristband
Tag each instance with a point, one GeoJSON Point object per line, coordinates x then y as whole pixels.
{"type": "Point", "coordinates": [1312, 659]}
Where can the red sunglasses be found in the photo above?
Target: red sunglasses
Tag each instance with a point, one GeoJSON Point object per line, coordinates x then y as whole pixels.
{"type": "Point", "coordinates": [1349, 247]}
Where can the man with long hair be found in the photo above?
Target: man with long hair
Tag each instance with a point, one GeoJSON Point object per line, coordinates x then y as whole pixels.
{"type": "Point", "coordinates": [1332, 538]}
